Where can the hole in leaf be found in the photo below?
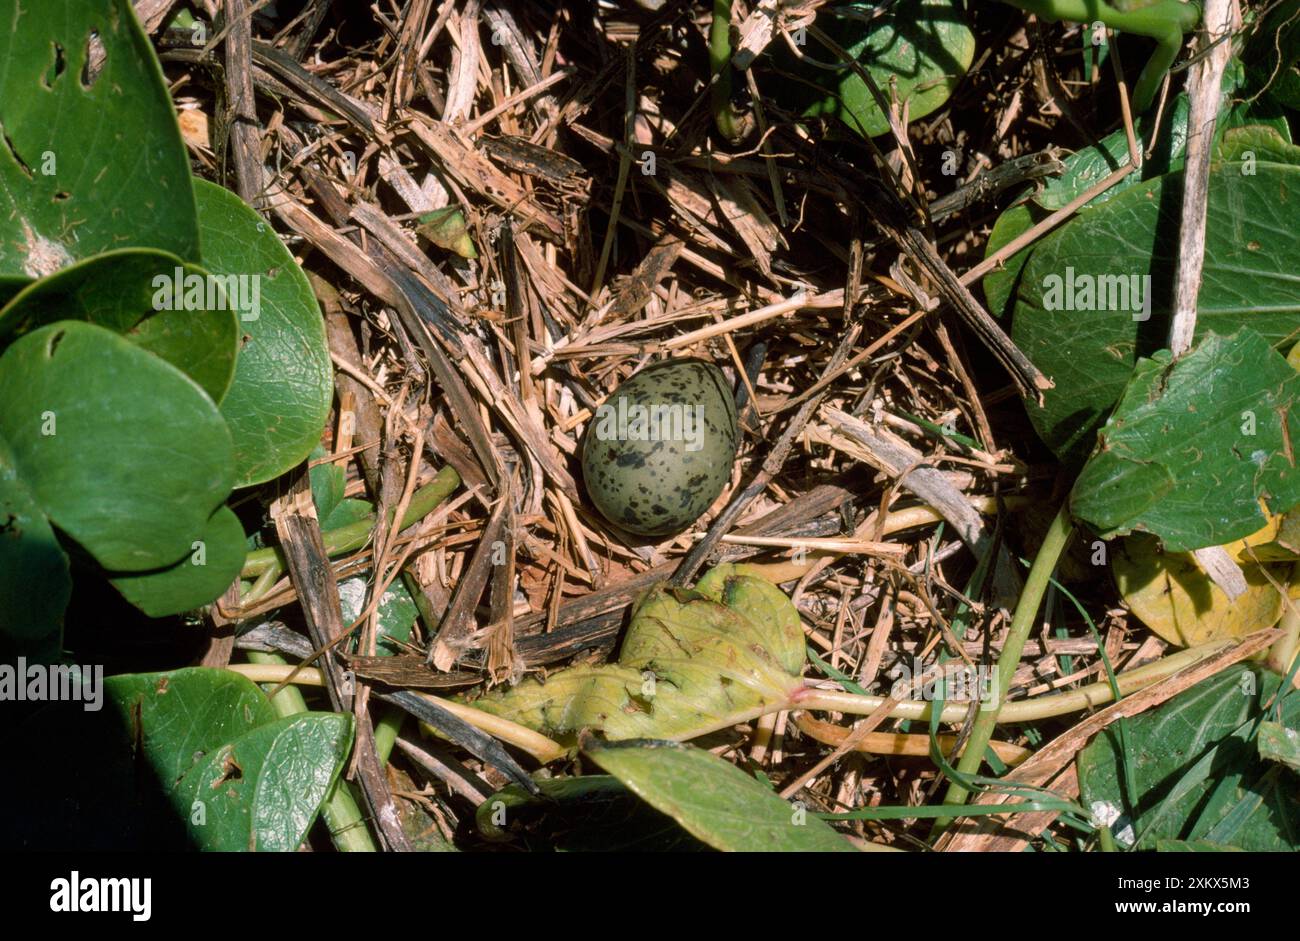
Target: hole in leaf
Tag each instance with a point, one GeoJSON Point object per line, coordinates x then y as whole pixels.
{"type": "Point", "coordinates": [55, 339]}
{"type": "Point", "coordinates": [93, 60]}
{"type": "Point", "coordinates": [230, 771]}
{"type": "Point", "coordinates": [57, 68]}
{"type": "Point", "coordinates": [61, 195]}
{"type": "Point", "coordinates": [18, 159]}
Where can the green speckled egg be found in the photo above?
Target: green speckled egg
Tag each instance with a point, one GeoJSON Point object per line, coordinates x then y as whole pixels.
{"type": "Point", "coordinates": [659, 450]}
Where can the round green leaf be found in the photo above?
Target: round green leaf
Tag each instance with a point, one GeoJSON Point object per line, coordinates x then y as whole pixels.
{"type": "Point", "coordinates": [921, 48]}
{"type": "Point", "coordinates": [200, 577]}
{"type": "Point", "coordinates": [194, 758]}
{"type": "Point", "coordinates": [34, 581]}
{"type": "Point", "coordinates": [121, 450]}
{"type": "Point", "coordinates": [281, 393]}
{"type": "Point", "coordinates": [262, 791]}
{"type": "Point", "coordinates": [175, 310]}
{"type": "Point", "coordinates": [87, 163]}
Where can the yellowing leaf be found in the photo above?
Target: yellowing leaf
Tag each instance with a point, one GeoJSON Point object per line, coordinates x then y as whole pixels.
{"type": "Point", "coordinates": [693, 661]}
{"type": "Point", "coordinates": [1172, 595]}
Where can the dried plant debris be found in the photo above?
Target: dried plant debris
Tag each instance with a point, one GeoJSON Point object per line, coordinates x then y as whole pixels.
{"type": "Point", "coordinates": [558, 426]}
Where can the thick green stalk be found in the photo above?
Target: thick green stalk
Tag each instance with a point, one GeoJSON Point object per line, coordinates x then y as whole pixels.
{"type": "Point", "coordinates": [355, 535]}
{"type": "Point", "coordinates": [720, 66]}
{"type": "Point", "coordinates": [1040, 574]}
{"type": "Point", "coordinates": [1165, 21]}
{"type": "Point", "coordinates": [342, 815]}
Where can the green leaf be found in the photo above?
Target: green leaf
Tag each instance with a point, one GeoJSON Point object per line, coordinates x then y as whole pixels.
{"type": "Point", "coordinates": [1075, 322]}
{"type": "Point", "coordinates": [1000, 283]}
{"type": "Point", "coordinates": [280, 397]}
{"type": "Point", "coordinates": [1257, 142]}
{"type": "Point", "coordinates": [120, 290]}
{"type": "Point", "coordinates": [194, 758]}
{"type": "Point", "coordinates": [34, 582]}
{"type": "Point", "coordinates": [1194, 765]}
{"type": "Point", "coordinates": [1198, 846]}
{"type": "Point", "coordinates": [328, 484]}
{"type": "Point", "coordinates": [85, 168]}
{"type": "Point", "coordinates": [691, 662]}
{"type": "Point", "coordinates": [397, 610]}
{"type": "Point", "coordinates": [262, 790]}
{"type": "Point", "coordinates": [1091, 165]}
{"type": "Point", "coordinates": [593, 813]}
{"type": "Point", "coordinates": [1195, 446]}
{"type": "Point", "coordinates": [214, 561]}
{"type": "Point", "coordinates": [713, 800]}
{"type": "Point", "coordinates": [121, 450]}
{"type": "Point", "coordinates": [1274, 53]}
{"type": "Point", "coordinates": [921, 48]}
{"type": "Point", "coordinates": [1276, 742]}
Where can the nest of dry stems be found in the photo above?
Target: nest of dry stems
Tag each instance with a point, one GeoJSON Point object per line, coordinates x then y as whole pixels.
{"type": "Point", "coordinates": [614, 227]}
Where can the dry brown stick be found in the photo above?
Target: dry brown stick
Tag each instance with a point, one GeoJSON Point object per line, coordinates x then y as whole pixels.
{"type": "Point", "coordinates": [459, 622]}
{"type": "Point", "coordinates": [367, 421]}
{"type": "Point", "coordinates": [374, 787]}
{"type": "Point", "coordinates": [1219, 18]}
{"type": "Point", "coordinates": [309, 566]}
{"type": "Point", "coordinates": [245, 135]}
{"type": "Point", "coordinates": [894, 456]}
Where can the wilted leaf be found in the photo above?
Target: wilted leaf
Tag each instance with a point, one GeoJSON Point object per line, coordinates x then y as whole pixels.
{"type": "Point", "coordinates": [446, 229]}
{"type": "Point", "coordinates": [1171, 593]}
{"type": "Point", "coordinates": [691, 662]}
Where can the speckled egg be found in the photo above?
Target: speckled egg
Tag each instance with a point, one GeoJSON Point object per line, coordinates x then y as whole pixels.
{"type": "Point", "coordinates": [659, 450]}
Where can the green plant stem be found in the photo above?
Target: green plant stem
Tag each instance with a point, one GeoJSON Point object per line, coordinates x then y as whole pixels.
{"type": "Point", "coordinates": [1040, 574]}
{"type": "Point", "coordinates": [355, 535]}
{"type": "Point", "coordinates": [1165, 21]}
{"type": "Point", "coordinates": [720, 66]}
{"type": "Point", "coordinates": [1023, 710]}
{"type": "Point", "coordinates": [387, 726]}
{"type": "Point", "coordinates": [342, 815]}
{"type": "Point", "coordinates": [1028, 710]}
